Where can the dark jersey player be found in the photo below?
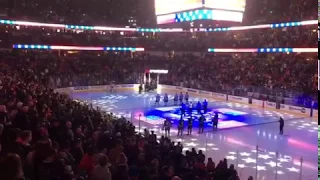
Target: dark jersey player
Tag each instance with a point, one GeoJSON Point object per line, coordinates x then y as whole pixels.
{"type": "Point", "coordinates": [180, 126]}
{"type": "Point", "coordinates": [201, 123]}
{"type": "Point", "coordinates": [190, 122]}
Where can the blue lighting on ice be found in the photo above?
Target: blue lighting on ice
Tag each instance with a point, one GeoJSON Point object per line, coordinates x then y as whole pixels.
{"type": "Point", "coordinates": [174, 114]}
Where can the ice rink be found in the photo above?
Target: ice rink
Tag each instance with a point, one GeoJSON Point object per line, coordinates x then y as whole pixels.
{"type": "Point", "coordinates": [241, 131]}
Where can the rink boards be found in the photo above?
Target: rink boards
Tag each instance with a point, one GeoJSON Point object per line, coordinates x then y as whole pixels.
{"type": "Point", "coordinates": [299, 111]}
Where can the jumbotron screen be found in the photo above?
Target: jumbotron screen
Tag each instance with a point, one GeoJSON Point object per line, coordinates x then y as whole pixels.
{"type": "Point", "coordinates": [232, 5]}
{"type": "Point", "coordinates": [172, 6]}
{"type": "Point", "coordinates": [169, 11]}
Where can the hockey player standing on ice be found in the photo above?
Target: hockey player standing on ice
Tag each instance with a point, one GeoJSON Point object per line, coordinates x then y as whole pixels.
{"type": "Point", "coordinates": [183, 109]}
{"type": "Point", "coordinates": [281, 121]}
{"type": "Point", "coordinates": [205, 106]}
{"type": "Point", "coordinates": [201, 123]}
{"type": "Point", "coordinates": [190, 122]}
{"type": "Point", "coordinates": [175, 99]}
{"type": "Point", "coordinates": [186, 97]}
{"type": "Point", "coordinates": [215, 120]}
{"type": "Point", "coordinates": [165, 99]}
{"type": "Point", "coordinates": [167, 126]}
{"type": "Point", "coordinates": [190, 108]}
{"type": "Point", "coordinates": [199, 105]}
{"type": "Point", "coordinates": [140, 88]}
{"type": "Point", "coordinates": [157, 100]}
{"type": "Point", "coordinates": [180, 126]}
{"type": "Point", "coordinates": [181, 97]}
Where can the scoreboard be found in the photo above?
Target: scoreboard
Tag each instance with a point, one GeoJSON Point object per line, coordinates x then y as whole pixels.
{"type": "Point", "coordinates": [172, 6]}
{"type": "Point", "coordinates": [226, 10]}
{"type": "Point", "coordinates": [232, 5]}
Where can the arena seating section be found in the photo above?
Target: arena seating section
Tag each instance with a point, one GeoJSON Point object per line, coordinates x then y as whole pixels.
{"type": "Point", "coordinates": [48, 136]}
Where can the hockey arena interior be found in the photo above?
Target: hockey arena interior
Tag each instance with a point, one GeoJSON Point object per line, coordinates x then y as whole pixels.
{"type": "Point", "coordinates": [158, 90]}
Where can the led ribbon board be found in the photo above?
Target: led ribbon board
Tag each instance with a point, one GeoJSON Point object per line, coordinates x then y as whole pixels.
{"type": "Point", "coordinates": [264, 50]}
{"type": "Point", "coordinates": [171, 17]}
{"type": "Point", "coordinates": [79, 48]}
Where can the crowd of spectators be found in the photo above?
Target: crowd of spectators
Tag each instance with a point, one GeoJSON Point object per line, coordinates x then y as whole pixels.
{"type": "Point", "coordinates": [48, 136]}
{"type": "Point", "coordinates": [300, 37]}
{"type": "Point", "coordinates": [280, 11]}
{"type": "Point", "coordinates": [287, 76]}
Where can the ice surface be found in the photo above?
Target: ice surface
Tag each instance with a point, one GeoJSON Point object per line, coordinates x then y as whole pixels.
{"type": "Point", "coordinates": [238, 145]}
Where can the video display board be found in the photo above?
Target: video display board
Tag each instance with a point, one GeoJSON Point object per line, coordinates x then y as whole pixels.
{"type": "Point", "coordinates": [222, 10]}
{"type": "Point", "coordinates": [172, 6]}
{"type": "Point", "coordinates": [232, 5]}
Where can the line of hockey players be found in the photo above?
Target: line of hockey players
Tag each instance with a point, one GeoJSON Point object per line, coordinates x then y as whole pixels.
{"type": "Point", "coordinates": [181, 124]}
{"type": "Point", "coordinates": [177, 98]}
